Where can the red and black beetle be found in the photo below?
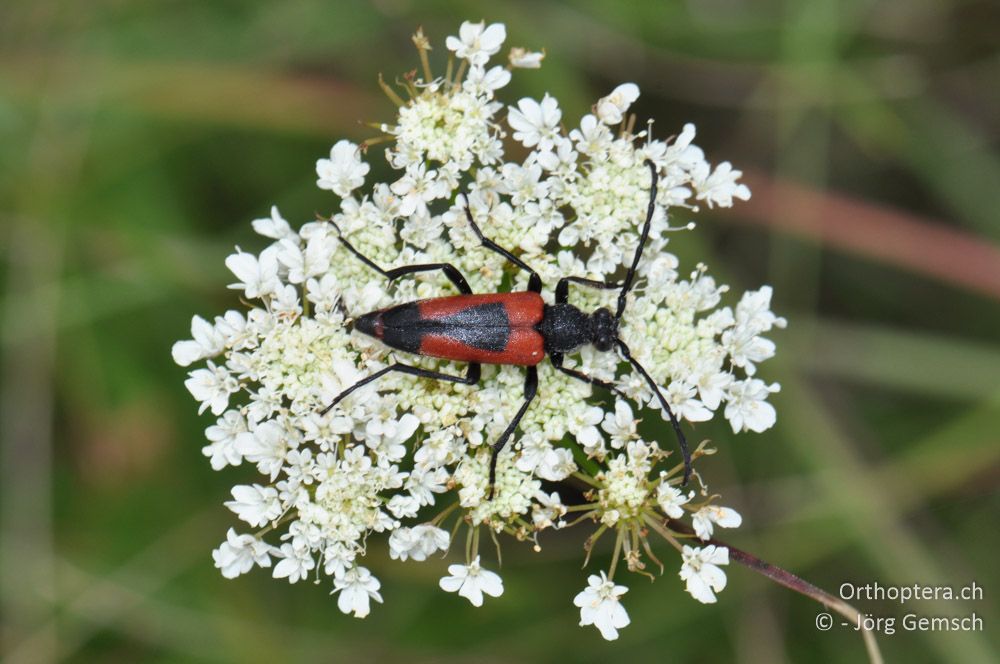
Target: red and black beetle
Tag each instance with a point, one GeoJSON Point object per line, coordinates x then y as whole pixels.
{"type": "Point", "coordinates": [505, 328]}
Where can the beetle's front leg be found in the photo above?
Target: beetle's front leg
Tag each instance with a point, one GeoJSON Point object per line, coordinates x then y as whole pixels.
{"type": "Point", "coordinates": [534, 281]}
{"type": "Point", "coordinates": [450, 271]}
{"type": "Point", "coordinates": [562, 286]}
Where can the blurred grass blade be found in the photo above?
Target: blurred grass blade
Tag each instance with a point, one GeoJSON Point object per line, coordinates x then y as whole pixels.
{"type": "Point", "coordinates": [920, 245]}
{"type": "Point", "coordinates": [897, 358]}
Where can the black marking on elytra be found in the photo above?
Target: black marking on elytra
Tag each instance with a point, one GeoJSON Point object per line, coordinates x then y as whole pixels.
{"type": "Point", "coordinates": [482, 326]}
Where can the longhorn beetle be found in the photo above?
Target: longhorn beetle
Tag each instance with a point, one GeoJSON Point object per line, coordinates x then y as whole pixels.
{"type": "Point", "coordinates": [504, 328]}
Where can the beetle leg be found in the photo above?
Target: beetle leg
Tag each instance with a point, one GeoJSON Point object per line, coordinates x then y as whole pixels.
{"type": "Point", "coordinates": [530, 388]}
{"type": "Point", "coordinates": [557, 362]}
{"type": "Point", "coordinates": [534, 281]}
{"type": "Point", "coordinates": [681, 440]}
{"type": "Point", "coordinates": [562, 286]}
{"type": "Point", "coordinates": [650, 211]}
{"type": "Point", "coordinates": [471, 377]}
{"type": "Point", "coordinates": [392, 274]}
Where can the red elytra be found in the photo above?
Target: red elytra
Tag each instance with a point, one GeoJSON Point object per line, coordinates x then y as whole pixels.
{"type": "Point", "coordinates": [524, 310]}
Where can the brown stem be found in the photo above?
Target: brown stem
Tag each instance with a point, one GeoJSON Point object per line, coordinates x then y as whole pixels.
{"type": "Point", "coordinates": [926, 246]}
{"type": "Point", "coordinates": [792, 582]}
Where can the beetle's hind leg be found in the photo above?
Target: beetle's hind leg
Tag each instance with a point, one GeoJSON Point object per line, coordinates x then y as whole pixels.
{"type": "Point", "coordinates": [530, 389]}
{"type": "Point", "coordinates": [534, 281]}
{"type": "Point", "coordinates": [392, 274]}
{"type": "Point", "coordinates": [471, 377]}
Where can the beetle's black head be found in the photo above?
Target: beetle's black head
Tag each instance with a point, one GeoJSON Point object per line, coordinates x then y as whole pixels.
{"type": "Point", "coordinates": [603, 329]}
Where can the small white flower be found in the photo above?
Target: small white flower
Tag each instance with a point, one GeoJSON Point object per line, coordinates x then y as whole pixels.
{"type": "Point", "coordinates": [207, 342]}
{"type": "Point", "coordinates": [424, 482]}
{"type": "Point", "coordinates": [480, 80]}
{"type": "Point", "coordinates": [417, 543]}
{"type": "Point", "coordinates": [239, 332]}
{"type": "Point", "coordinates": [264, 446]}
{"type": "Point", "coordinates": [212, 387]}
{"type": "Point", "coordinates": [337, 558]}
{"type": "Point", "coordinates": [703, 519]}
{"type": "Point", "coordinates": [583, 424]}
{"type": "Point", "coordinates": [539, 457]}
{"type": "Point", "coordinates": [344, 171]}
{"type": "Point", "coordinates": [681, 397]}
{"type": "Point", "coordinates": [712, 387]}
{"type": "Point", "coordinates": [719, 187]}
{"type": "Point", "coordinates": [476, 42]}
{"type": "Point", "coordinates": [302, 264]}
{"type": "Point", "coordinates": [239, 553]}
{"type": "Point", "coordinates": [387, 437]}
{"type": "Point", "coordinates": [702, 572]}
{"type": "Point", "coordinates": [747, 408]}
{"type": "Point", "coordinates": [548, 510]}
{"type": "Point", "coordinates": [534, 447]}
{"type": "Point", "coordinates": [471, 582]}
{"type": "Point", "coordinates": [222, 451]}
{"type": "Point", "coordinates": [671, 500]}
{"type": "Point", "coordinates": [620, 425]}
{"type": "Point", "coordinates": [285, 303]}
{"type": "Point", "coordinates": [592, 138]}
{"type": "Point", "coordinates": [523, 59]}
{"type": "Point", "coordinates": [357, 587]}
{"type": "Point", "coordinates": [403, 507]}
{"type": "Point", "coordinates": [274, 227]}
{"type": "Point", "coordinates": [557, 465]}
{"type": "Point", "coordinates": [612, 108]}
{"type": "Point", "coordinates": [417, 188]}
{"type": "Point", "coordinates": [258, 276]}
{"type": "Point", "coordinates": [255, 504]}
{"type": "Point", "coordinates": [295, 564]}
{"type": "Point", "coordinates": [535, 123]}
{"type": "Point", "coordinates": [600, 606]}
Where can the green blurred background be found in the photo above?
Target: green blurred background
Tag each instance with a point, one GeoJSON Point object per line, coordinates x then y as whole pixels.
{"type": "Point", "coordinates": [137, 140]}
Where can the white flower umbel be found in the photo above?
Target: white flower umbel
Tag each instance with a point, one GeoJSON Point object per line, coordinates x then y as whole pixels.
{"type": "Point", "coordinates": [408, 457]}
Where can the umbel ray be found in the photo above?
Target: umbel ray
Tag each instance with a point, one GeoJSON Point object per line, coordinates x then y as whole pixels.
{"type": "Point", "coordinates": [516, 328]}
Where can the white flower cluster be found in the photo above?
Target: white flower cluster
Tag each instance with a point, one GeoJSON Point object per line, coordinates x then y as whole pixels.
{"type": "Point", "coordinates": [403, 455]}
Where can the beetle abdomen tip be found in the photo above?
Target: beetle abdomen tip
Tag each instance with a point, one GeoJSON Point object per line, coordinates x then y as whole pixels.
{"type": "Point", "coordinates": [370, 324]}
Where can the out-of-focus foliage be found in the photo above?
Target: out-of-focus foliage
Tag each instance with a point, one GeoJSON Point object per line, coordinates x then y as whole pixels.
{"type": "Point", "coordinates": [137, 140]}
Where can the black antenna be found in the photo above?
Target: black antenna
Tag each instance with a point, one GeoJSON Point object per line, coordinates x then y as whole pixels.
{"type": "Point", "coordinates": [681, 440]}
{"type": "Point", "coordinates": [626, 286]}
{"type": "Point", "coordinates": [630, 276]}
